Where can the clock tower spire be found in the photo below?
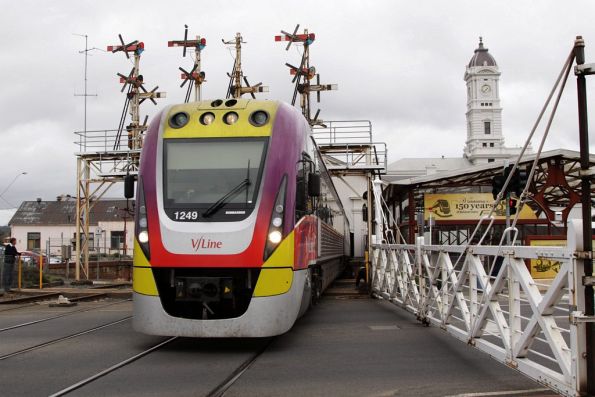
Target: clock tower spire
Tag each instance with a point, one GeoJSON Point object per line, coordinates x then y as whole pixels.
{"type": "Point", "coordinates": [485, 142]}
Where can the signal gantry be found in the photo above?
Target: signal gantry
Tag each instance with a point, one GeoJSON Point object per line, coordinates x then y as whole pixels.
{"type": "Point", "coordinates": [303, 75]}
{"type": "Point", "coordinates": [236, 77]}
{"type": "Point", "coordinates": [135, 95]}
{"type": "Point", "coordinates": [195, 75]}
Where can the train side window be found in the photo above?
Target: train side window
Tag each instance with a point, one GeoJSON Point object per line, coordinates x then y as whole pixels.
{"type": "Point", "coordinates": [300, 192]}
{"type": "Point", "coordinates": [303, 204]}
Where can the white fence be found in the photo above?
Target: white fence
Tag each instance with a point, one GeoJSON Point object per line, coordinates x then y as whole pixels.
{"type": "Point", "coordinates": [538, 329]}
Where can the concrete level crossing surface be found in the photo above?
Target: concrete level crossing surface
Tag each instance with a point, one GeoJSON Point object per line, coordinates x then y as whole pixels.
{"type": "Point", "coordinates": [366, 347]}
{"type": "Point", "coordinates": [347, 345]}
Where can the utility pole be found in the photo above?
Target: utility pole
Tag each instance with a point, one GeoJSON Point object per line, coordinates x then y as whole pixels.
{"type": "Point", "coordinates": [581, 71]}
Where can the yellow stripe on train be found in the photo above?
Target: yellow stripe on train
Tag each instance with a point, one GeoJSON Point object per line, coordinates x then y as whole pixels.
{"type": "Point", "coordinates": [219, 129]}
{"type": "Point", "coordinates": [143, 281]}
{"type": "Point", "coordinates": [276, 275]}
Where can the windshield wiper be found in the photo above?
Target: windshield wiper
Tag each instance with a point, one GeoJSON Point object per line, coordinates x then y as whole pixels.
{"type": "Point", "coordinates": [221, 202]}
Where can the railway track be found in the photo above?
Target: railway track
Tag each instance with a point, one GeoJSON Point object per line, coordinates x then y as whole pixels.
{"type": "Point", "coordinates": [113, 368]}
{"type": "Point", "coordinates": [35, 299]}
{"type": "Point", "coordinates": [64, 338]}
{"type": "Point", "coordinates": [222, 387]}
{"type": "Point", "coordinates": [30, 298]}
{"type": "Point", "coordinates": [73, 297]}
{"type": "Point", "coordinates": [60, 315]}
{"type": "Point", "coordinates": [115, 285]}
{"type": "Point", "coordinates": [233, 373]}
{"type": "Point", "coordinates": [218, 391]}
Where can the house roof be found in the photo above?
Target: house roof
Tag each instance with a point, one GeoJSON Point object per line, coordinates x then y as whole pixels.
{"type": "Point", "coordinates": [63, 212]}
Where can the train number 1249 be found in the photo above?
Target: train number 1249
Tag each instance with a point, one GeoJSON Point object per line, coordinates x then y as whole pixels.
{"type": "Point", "coordinates": [186, 215]}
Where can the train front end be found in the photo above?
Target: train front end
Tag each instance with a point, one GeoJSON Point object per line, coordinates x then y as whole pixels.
{"type": "Point", "coordinates": [214, 252]}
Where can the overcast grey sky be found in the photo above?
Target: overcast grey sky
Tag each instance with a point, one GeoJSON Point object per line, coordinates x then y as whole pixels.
{"type": "Point", "coordinates": [399, 64]}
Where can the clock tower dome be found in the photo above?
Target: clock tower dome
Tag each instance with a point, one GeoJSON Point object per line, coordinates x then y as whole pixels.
{"type": "Point", "coordinates": [485, 142]}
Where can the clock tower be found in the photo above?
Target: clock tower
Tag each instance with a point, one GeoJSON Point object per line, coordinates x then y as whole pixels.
{"type": "Point", "coordinates": [485, 142]}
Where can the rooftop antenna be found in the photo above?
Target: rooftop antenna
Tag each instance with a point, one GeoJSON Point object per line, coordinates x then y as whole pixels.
{"type": "Point", "coordinates": [195, 74]}
{"type": "Point", "coordinates": [135, 95]}
{"type": "Point", "coordinates": [236, 77]}
{"type": "Point", "coordinates": [84, 94]}
{"type": "Point", "coordinates": [303, 75]}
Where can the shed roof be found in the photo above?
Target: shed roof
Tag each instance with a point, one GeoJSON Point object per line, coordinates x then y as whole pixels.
{"type": "Point", "coordinates": [63, 212]}
{"type": "Point", "coordinates": [482, 175]}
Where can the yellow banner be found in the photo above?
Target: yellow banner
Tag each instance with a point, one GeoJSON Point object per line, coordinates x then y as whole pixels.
{"type": "Point", "coordinates": [467, 206]}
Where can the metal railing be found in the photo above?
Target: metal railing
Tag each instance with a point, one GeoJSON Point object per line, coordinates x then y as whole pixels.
{"type": "Point", "coordinates": [109, 153]}
{"type": "Point", "coordinates": [486, 296]}
{"type": "Point", "coordinates": [342, 132]}
{"type": "Point", "coordinates": [103, 141]}
{"type": "Point", "coordinates": [348, 145]}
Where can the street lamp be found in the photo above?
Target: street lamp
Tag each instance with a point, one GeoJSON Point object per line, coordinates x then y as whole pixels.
{"type": "Point", "coordinates": [8, 187]}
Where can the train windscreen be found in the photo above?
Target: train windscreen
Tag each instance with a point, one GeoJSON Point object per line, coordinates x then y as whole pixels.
{"type": "Point", "coordinates": [212, 179]}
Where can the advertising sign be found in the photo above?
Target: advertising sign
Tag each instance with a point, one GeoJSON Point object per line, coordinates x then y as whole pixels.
{"type": "Point", "coordinates": [466, 206]}
{"type": "Point", "coordinates": [544, 267]}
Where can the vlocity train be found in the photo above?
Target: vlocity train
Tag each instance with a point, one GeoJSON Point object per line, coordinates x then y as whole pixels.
{"type": "Point", "coordinates": [239, 228]}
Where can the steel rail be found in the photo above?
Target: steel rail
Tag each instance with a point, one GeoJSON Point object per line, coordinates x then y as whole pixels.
{"type": "Point", "coordinates": [220, 389]}
{"type": "Point", "coordinates": [17, 307]}
{"type": "Point", "coordinates": [31, 298]}
{"type": "Point", "coordinates": [62, 339]}
{"type": "Point", "coordinates": [75, 299]}
{"type": "Point", "coordinates": [112, 368]}
{"type": "Point", "coordinates": [60, 315]}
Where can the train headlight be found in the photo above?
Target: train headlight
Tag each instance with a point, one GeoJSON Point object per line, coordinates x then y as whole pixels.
{"type": "Point", "coordinates": [259, 118]}
{"type": "Point", "coordinates": [179, 120]}
{"type": "Point", "coordinates": [142, 223]}
{"type": "Point", "coordinates": [230, 118]}
{"type": "Point", "coordinates": [143, 237]}
{"type": "Point", "coordinates": [207, 118]}
{"type": "Point", "coordinates": [275, 237]}
{"type": "Point", "coordinates": [275, 232]}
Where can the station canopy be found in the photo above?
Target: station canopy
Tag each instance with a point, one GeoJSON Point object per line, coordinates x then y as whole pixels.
{"type": "Point", "coordinates": [556, 185]}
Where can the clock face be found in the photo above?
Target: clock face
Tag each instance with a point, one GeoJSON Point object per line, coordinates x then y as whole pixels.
{"type": "Point", "coordinates": [485, 89]}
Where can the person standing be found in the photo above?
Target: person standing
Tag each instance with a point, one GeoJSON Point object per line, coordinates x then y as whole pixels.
{"type": "Point", "coordinates": [10, 255]}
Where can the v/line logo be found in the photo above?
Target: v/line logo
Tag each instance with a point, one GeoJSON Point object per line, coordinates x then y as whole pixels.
{"type": "Point", "coordinates": [202, 243]}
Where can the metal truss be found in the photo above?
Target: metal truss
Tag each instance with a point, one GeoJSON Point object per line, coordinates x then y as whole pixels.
{"type": "Point", "coordinates": [102, 161]}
